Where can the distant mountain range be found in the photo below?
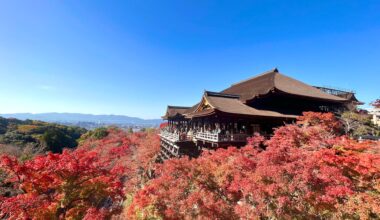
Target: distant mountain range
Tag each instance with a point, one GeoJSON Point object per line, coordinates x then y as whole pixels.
{"type": "Point", "coordinates": [75, 118]}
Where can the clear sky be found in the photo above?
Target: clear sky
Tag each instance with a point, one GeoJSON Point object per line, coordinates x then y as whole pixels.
{"type": "Point", "coordinates": [135, 57]}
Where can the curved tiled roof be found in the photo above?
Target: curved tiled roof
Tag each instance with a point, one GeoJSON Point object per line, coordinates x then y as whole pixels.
{"type": "Point", "coordinates": [273, 80]}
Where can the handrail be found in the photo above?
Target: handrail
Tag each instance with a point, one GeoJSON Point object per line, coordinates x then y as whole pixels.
{"type": "Point", "coordinates": [208, 136]}
{"type": "Point", "coordinates": [217, 137]}
{"type": "Point", "coordinates": [174, 136]}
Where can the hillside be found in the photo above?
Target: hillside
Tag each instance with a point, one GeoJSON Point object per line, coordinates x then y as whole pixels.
{"type": "Point", "coordinates": [77, 118]}
{"type": "Point", "coordinates": [19, 135]}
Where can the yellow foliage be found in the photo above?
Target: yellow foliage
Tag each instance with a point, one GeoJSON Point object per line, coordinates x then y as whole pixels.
{"type": "Point", "coordinates": [27, 128]}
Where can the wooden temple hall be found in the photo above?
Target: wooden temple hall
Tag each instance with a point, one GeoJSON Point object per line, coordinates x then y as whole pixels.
{"type": "Point", "coordinates": [258, 104]}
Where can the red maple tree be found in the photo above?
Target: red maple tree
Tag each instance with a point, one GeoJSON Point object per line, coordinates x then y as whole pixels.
{"type": "Point", "coordinates": [164, 125]}
{"type": "Point", "coordinates": [143, 148]}
{"type": "Point", "coordinates": [75, 184]}
{"type": "Point", "coordinates": [376, 103]}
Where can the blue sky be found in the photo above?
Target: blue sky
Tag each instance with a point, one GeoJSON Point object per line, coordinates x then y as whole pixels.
{"type": "Point", "coordinates": [135, 57]}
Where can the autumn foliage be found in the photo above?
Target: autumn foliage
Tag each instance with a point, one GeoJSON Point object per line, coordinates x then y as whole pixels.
{"type": "Point", "coordinates": [163, 125]}
{"type": "Point", "coordinates": [90, 182]}
{"type": "Point", "coordinates": [68, 185]}
{"type": "Point", "coordinates": [306, 171]}
{"type": "Point", "coordinates": [376, 103]}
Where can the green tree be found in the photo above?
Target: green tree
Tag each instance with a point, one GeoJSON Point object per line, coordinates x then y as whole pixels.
{"type": "Point", "coordinates": [56, 139]}
{"type": "Point", "coordinates": [357, 124]}
{"type": "Point", "coordinates": [100, 133]}
{"type": "Point", "coordinates": [130, 130]}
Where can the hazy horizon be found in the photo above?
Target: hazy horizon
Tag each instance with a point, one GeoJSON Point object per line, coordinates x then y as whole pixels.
{"type": "Point", "coordinates": [40, 113]}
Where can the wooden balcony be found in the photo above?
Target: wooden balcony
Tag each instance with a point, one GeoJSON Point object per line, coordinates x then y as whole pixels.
{"type": "Point", "coordinates": [174, 137]}
{"type": "Point", "coordinates": [215, 137]}
{"type": "Point", "coordinates": [170, 136]}
{"type": "Point", "coordinates": [205, 136]}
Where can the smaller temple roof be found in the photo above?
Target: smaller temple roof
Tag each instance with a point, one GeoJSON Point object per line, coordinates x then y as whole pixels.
{"type": "Point", "coordinates": [213, 102]}
{"type": "Point", "coordinates": [173, 111]}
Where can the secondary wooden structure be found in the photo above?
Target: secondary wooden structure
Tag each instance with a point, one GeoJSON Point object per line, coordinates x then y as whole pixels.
{"type": "Point", "coordinates": [258, 104]}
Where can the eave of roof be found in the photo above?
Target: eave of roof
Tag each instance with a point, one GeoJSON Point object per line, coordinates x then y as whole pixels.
{"type": "Point", "coordinates": [231, 104]}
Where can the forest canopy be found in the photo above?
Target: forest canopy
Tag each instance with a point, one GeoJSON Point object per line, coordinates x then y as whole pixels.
{"type": "Point", "coordinates": [37, 135]}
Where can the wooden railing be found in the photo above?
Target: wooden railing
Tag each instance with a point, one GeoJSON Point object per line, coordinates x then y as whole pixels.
{"type": "Point", "coordinates": [214, 137]}
{"type": "Point", "coordinates": [174, 137]}
{"type": "Point", "coordinates": [207, 136]}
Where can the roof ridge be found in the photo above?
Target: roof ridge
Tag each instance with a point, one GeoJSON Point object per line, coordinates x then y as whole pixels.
{"type": "Point", "coordinates": [173, 106]}
{"type": "Point", "coordinates": [275, 70]}
{"type": "Point", "coordinates": [219, 94]}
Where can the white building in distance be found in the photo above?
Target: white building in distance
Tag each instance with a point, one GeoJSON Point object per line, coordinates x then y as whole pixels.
{"type": "Point", "coordinates": [375, 112]}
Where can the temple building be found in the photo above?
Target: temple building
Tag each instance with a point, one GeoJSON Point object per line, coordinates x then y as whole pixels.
{"type": "Point", "coordinates": [255, 105]}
